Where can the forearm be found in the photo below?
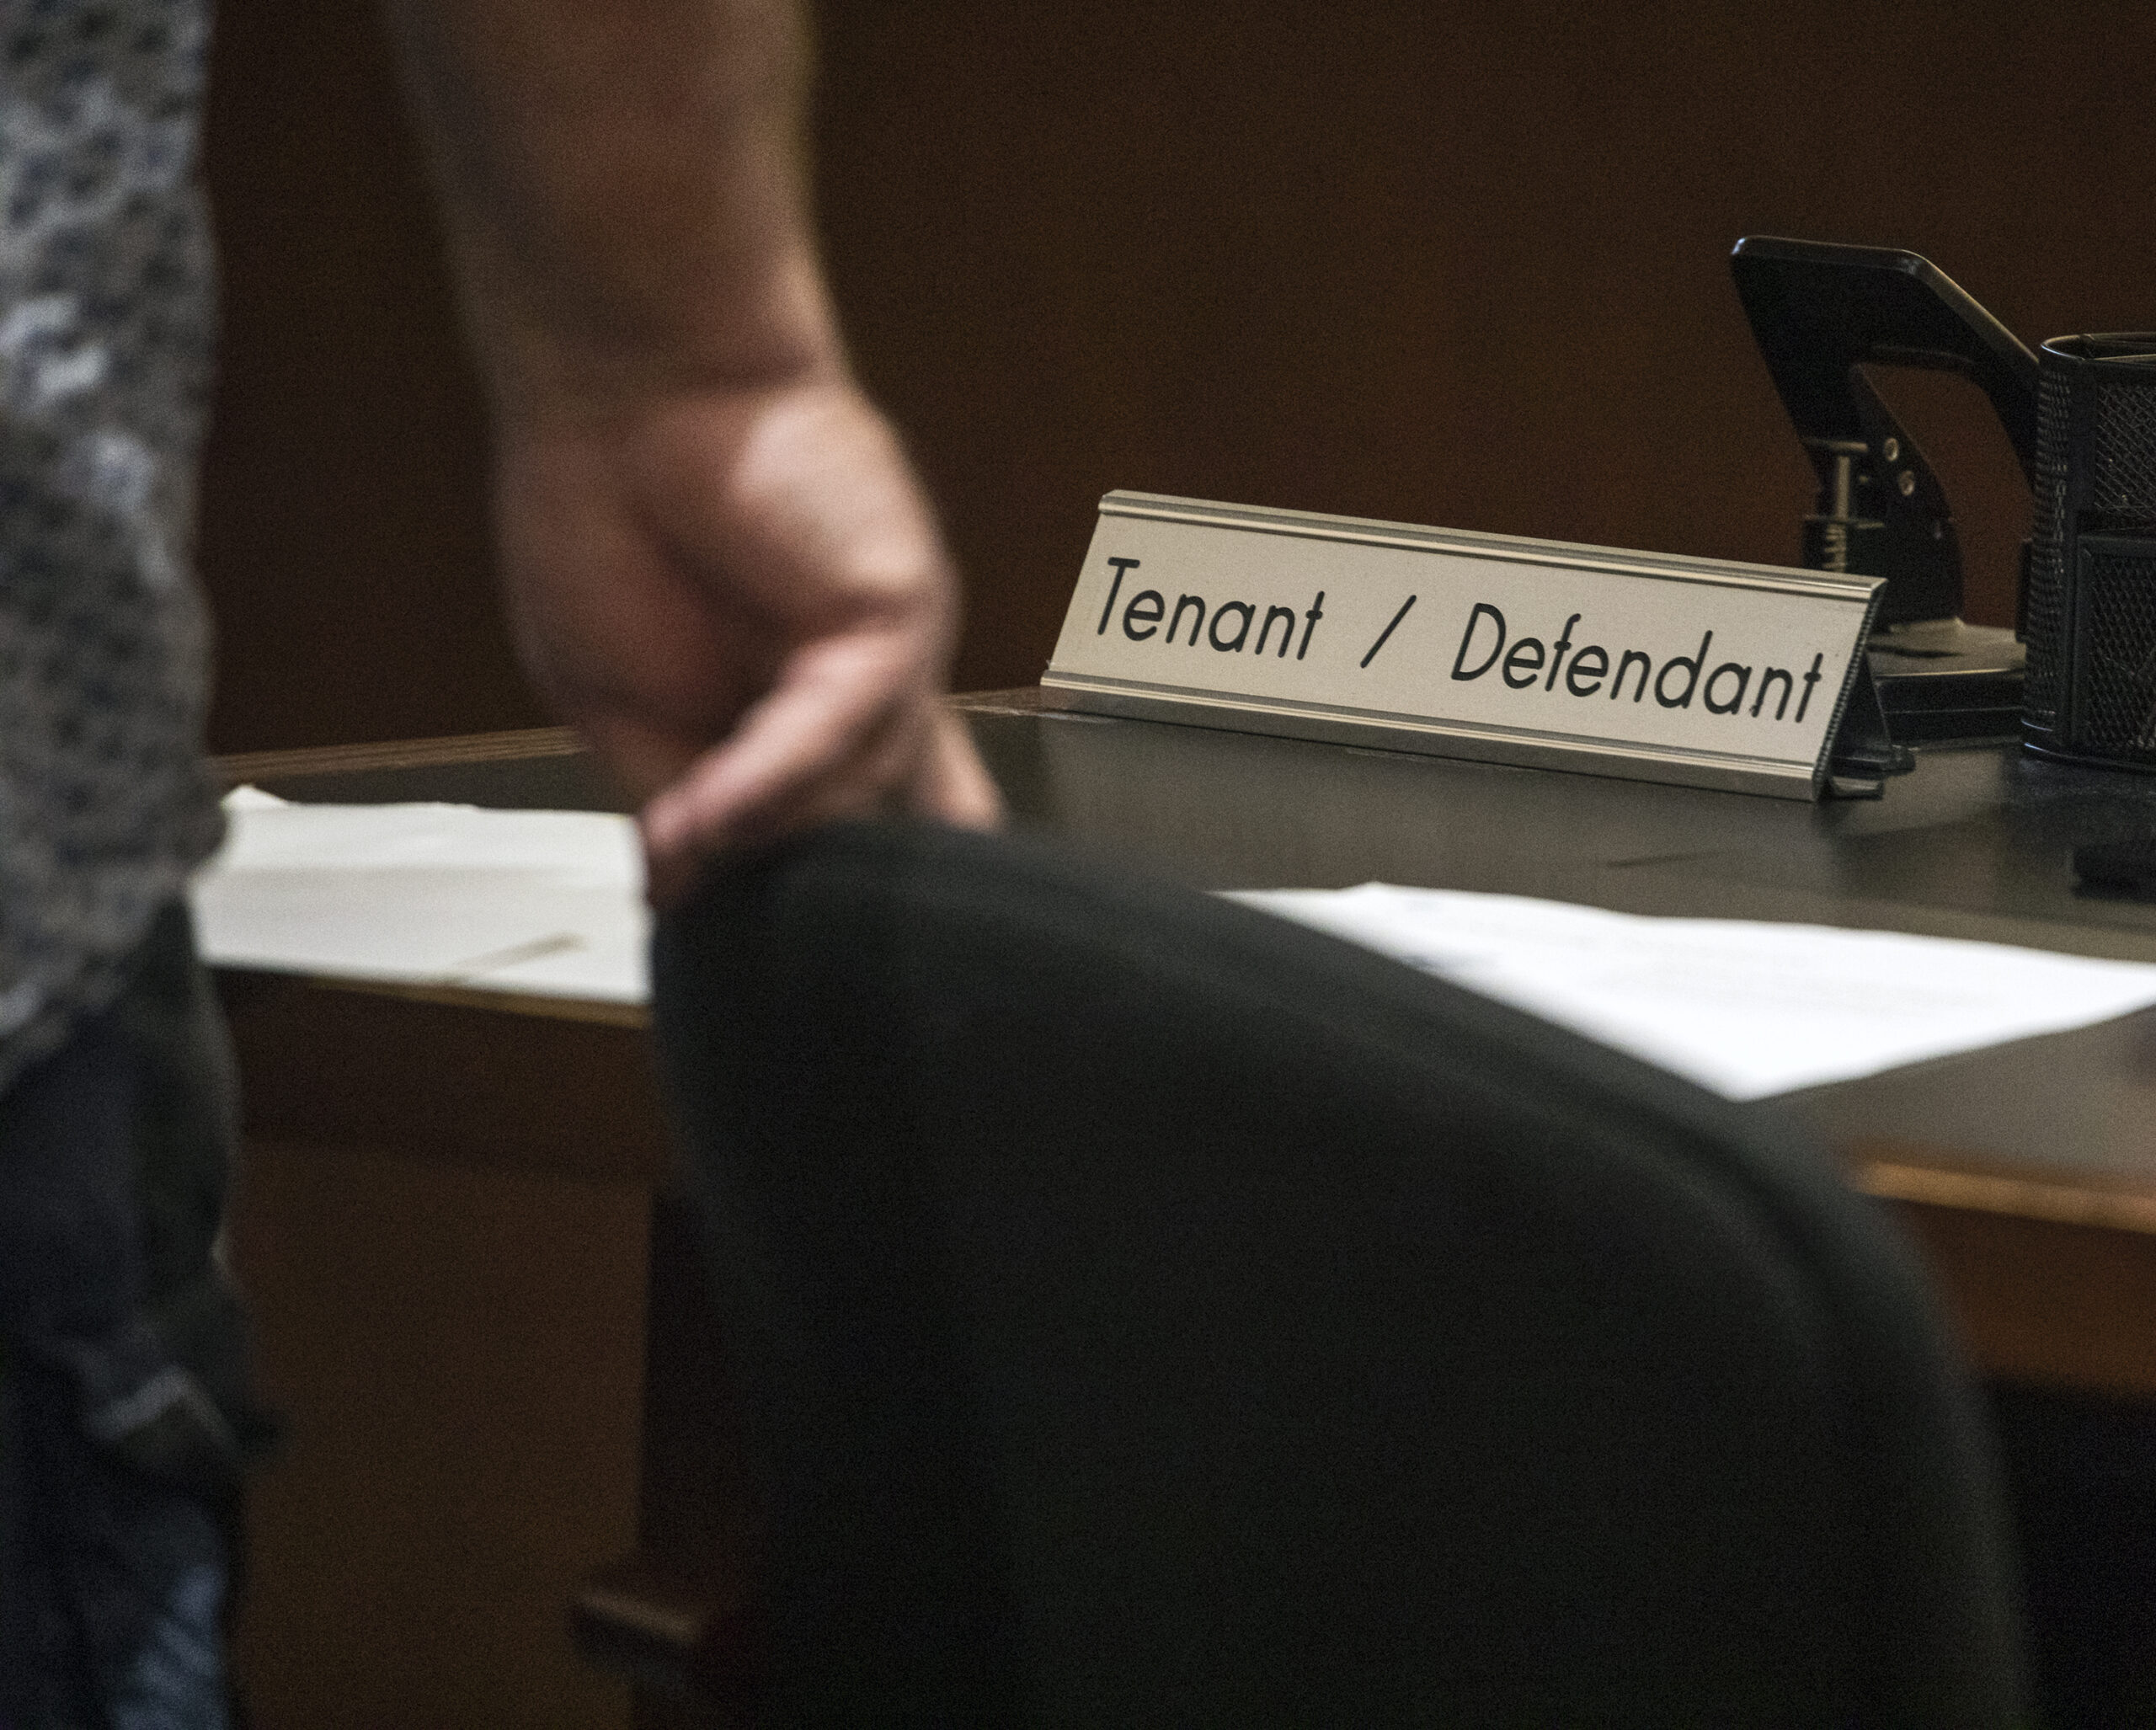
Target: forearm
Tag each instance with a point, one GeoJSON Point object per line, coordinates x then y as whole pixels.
{"type": "Point", "coordinates": [621, 184]}
{"type": "Point", "coordinates": [715, 555]}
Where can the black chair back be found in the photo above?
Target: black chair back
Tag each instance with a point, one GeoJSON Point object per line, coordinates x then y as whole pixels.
{"type": "Point", "coordinates": [1154, 1313]}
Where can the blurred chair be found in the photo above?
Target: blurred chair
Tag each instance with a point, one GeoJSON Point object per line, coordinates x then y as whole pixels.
{"type": "Point", "coordinates": [1150, 1313]}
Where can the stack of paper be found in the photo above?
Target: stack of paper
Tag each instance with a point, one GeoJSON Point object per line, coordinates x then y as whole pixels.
{"type": "Point", "coordinates": [549, 902]}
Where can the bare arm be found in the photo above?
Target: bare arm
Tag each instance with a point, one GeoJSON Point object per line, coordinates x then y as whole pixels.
{"type": "Point", "coordinates": [719, 564]}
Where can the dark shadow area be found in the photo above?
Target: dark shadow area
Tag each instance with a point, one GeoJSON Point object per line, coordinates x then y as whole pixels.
{"type": "Point", "coordinates": [2081, 1475]}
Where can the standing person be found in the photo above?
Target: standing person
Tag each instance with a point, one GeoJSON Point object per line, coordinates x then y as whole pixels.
{"type": "Point", "coordinates": [716, 559]}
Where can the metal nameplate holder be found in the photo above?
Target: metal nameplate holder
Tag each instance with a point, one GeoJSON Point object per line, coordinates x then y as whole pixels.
{"type": "Point", "coordinates": [1750, 678]}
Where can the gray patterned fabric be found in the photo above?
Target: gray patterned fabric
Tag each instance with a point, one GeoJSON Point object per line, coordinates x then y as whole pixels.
{"type": "Point", "coordinates": [106, 322]}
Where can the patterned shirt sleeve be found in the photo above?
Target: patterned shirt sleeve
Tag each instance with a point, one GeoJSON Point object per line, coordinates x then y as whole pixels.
{"type": "Point", "coordinates": [106, 327]}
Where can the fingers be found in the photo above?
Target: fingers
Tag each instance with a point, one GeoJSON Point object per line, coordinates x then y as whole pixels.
{"type": "Point", "coordinates": [953, 785]}
{"type": "Point", "coordinates": [922, 762]}
{"type": "Point", "coordinates": [807, 735]}
{"type": "Point", "coordinates": [849, 730]}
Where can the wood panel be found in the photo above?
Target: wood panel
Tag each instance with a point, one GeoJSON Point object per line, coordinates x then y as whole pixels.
{"type": "Point", "coordinates": [343, 535]}
{"type": "Point", "coordinates": [2043, 1303]}
{"type": "Point", "coordinates": [443, 1222]}
{"type": "Point", "coordinates": [521, 1084]}
{"type": "Point", "coordinates": [458, 1352]}
{"type": "Point", "coordinates": [1460, 265]}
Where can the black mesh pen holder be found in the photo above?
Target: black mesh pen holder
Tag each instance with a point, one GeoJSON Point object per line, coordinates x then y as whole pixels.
{"type": "Point", "coordinates": [2090, 617]}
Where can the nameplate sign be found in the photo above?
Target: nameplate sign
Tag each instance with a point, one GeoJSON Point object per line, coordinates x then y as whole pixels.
{"type": "Point", "coordinates": [1484, 646]}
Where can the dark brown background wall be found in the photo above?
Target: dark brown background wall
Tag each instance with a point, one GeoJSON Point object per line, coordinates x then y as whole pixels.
{"type": "Point", "coordinates": [1455, 263]}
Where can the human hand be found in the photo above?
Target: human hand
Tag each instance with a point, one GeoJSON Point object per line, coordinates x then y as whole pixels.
{"type": "Point", "coordinates": [717, 563]}
{"type": "Point", "coordinates": [741, 599]}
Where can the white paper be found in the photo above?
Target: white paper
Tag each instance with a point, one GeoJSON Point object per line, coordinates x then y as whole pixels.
{"type": "Point", "coordinates": [1744, 1008]}
{"type": "Point", "coordinates": [545, 902]}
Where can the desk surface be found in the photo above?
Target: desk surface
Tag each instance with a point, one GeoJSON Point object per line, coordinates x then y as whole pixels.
{"type": "Point", "coordinates": [2029, 1170]}
{"type": "Point", "coordinates": [1973, 844]}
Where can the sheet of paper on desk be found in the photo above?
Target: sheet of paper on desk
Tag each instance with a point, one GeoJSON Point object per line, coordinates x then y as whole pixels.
{"type": "Point", "coordinates": [1746, 1009]}
{"type": "Point", "coordinates": [545, 902]}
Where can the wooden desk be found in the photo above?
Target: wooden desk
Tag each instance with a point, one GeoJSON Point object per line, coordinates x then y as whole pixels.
{"type": "Point", "coordinates": [449, 1216]}
{"type": "Point", "coordinates": [2028, 1171]}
